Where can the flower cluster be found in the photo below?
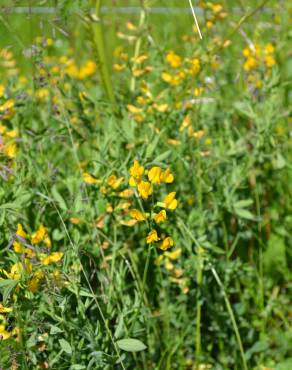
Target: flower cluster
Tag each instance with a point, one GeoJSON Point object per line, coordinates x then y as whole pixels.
{"type": "Point", "coordinates": [258, 59]}
{"type": "Point", "coordinates": [144, 182]}
{"type": "Point", "coordinates": [35, 251]}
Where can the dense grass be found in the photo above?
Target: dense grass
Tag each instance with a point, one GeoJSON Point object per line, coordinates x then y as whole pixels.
{"type": "Point", "coordinates": [88, 179]}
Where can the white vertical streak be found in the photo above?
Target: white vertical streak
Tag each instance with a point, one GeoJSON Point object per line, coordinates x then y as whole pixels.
{"type": "Point", "coordinates": [195, 18]}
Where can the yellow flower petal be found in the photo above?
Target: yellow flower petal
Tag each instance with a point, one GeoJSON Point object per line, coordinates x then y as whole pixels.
{"type": "Point", "coordinates": [152, 237]}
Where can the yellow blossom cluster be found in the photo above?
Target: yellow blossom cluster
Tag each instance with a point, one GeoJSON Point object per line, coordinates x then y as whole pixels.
{"type": "Point", "coordinates": [255, 54]}
{"type": "Point", "coordinates": [35, 252]}
{"type": "Point", "coordinates": [145, 181]}
{"type": "Point", "coordinates": [8, 62]}
{"type": "Point", "coordinates": [8, 135]}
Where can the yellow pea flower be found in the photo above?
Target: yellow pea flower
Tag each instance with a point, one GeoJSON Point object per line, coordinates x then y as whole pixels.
{"type": "Point", "coordinates": [160, 217]}
{"type": "Point", "coordinates": [136, 172]}
{"type": "Point", "coordinates": [4, 334]}
{"type": "Point", "coordinates": [17, 269]}
{"type": "Point", "coordinates": [167, 176]}
{"type": "Point", "coordinates": [5, 309]}
{"type": "Point", "coordinates": [154, 175]}
{"type": "Point", "coordinates": [20, 232]}
{"type": "Point", "coordinates": [137, 215]}
{"type": "Point", "coordinates": [128, 223]}
{"type": "Point", "coordinates": [166, 243]}
{"type": "Point", "coordinates": [34, 283]}
{"type": "Point", "coordinates": [152, 237]}
{"type": "Point", "coordinates": [169, 201]}
{"type": "Point", "coordinates": [173, 59]}
{"type": "Point", "coordinates": [133, 109]}
{"type": "Point", "coordinates": [10, 150]}
{"type": "Point", "coordinates": [2, 90]}
{"type": "Point", "coordinates": [173, 255]}
{"type": "Point", "coordinates": [145, 189]}
{"type": "Point", "coordinates": [52, 258]}
{"type": "Point", "coordinates": [39, 235]}
{"type": "Point", "coordinates": [88, 179]}
{"type": "Point", "coordinates": [114, 182]}
{"type": "Point", "coordinates": [18, 248]}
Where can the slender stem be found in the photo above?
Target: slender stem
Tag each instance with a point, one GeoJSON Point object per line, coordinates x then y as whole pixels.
{"type": "Point", "coordinates": [200, 267]}
{"type": "Point", "coordinates": [137, 47]}
{"type": "Point", "coordinates": [232, 317]}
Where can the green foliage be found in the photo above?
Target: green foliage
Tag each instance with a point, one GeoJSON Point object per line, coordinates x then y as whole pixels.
{"type": "Point", "coordinates": [80, 287]}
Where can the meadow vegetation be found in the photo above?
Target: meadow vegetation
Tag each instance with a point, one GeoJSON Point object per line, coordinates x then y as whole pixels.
{"type": "Point", "coordinates": [145, 186]}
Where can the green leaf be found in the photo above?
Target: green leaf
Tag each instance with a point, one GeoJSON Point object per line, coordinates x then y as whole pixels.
{"type": "Point", "coordinates": [162, 156]}
{"type": "Point", "coordinates": [66, 347]}
{"type": "Point", "coordinates": [131, 345]}
{"type": "Point", "coordinates": [6, 287]}
{"type": "Point", "coordinates": [243, 203]}
{"type": "Point", "coordinates": [55, 330]}
{"type": "Point", "coordinates": [57, 196]}
{"type": "Point", "coordinates": [77, 367]}
{"type": "Point", "coordinates": [10, 206]}
{"type": "Point", "coordinates": [274, 257]}
{"type": "Point", "coordinates": [244, 213]}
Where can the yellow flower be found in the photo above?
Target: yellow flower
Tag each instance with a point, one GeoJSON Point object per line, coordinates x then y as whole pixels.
{"type": "Point", "coordinates": [152, 237]}
{"type": "Point", "coordinates": [172, 80]}
{"type": "Point", "coordinates": [216, 8]}
{"type": "Point", "coordinates": [88, 179]}
{"type": "Point", "coordinates": [39, 235]}
{"type": "Point", "coordinates": [169, 201]}
{"type": "Point", "coordinates": [270, 61]}
{"type": "Point", "coordinates": [42, 93]}
{"type": "Point", "coordinates": [173, 59]}
{"type": "Point", "coordinates": [161, 108]}
{"type": "Point", "coordinates": [20, 232]}
{"type": "Point", "coordinates": [12, 134]}
{"type": "Point", "coordinates": [7, 109]}
{"type": "Point", "coordinates": [52, 258]}
{"type": "Point", "coordinates": [5, 309]}
{"type": "Point", "coordinates": [136, 172]}
{"type": "Point", "coordinates": [173, 255]}
{"type": "Point", "coordinates": [269, 48]}
{"type": "Point", "coordinates": [18, 248]}
{"type": "Point", "coordinates": [166, 243]}
{"type": "Point", "coordinates": [10, 150]}
{"type": "Point", "coordinates": [198, 91]}
{"type": "Point", "coordinates": [195, 66]}
{"type": "Point", "coordinates": [4, 334]}
{"type": "Point", "coordinates": [167, 176]}
{"type": "Point", "coordinates": [34, 282]}
{"type": "Point", "coordinates": [186, 122]}
{"type": "Point", "coordinates": [145, 189]}
{"type": "Point", "coordinates": [2, 90]}
{"type": "Point", "coordinates": [137, 215]}
{"type": "Point", "coordinates": [87, 70]}
{"type": "Point", "coordinates": [133, 109]}
{"type": "Point", "coordinates": [160, 217]}
{"type": "Point", "coordinates": [127, 193]}
{"type": "Point", "coordinates": [154, 175]}
{"type": "Point", "coordinates": [118, 67]}
{"type": "Point", "coordinates": [250, 64]}
{"type": "Point", "coordinates": [114, 182]}
{"type": "Point", "coordinates": [128, 223]}
{"type": "Point", "coordinates": [17, 269]}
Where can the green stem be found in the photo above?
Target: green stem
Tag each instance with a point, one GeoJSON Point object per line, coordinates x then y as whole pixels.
{"type": "Point", "coordinates": [232, 317]}
{"type": "Point", "coordinates": [102, 62]}
{"type": "Point", "coordinates": [199, 306]}
{"type": "Point", "coordinates": [137, 48]}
